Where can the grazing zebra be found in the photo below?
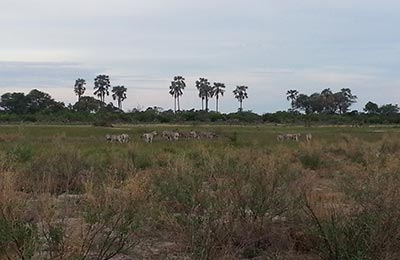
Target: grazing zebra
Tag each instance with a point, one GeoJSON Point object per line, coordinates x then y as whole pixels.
{"type": "Point", "coordinates": [193, 134]}
{"type": "Point", "coordinates": [184, 134]}
{"type": "Point", "coordinates": [208, 135]}
{"type": "Point", "coordinates": [148, 137]}
{"type": "Point", "coordinates": [293, 137]}
{"type": "Point", "coordinates": [123, 138]}
{"type": "Point", "coordinates": [170, 135]}
{"type": "Point", "coordinates": [112, 138]}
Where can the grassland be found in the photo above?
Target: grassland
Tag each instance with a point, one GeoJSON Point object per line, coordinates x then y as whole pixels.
{"type": "Point", "coordinates": [66, 193]}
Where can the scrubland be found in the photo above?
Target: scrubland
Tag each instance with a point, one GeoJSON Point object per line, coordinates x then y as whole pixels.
{"type": "Point", "coordinates": [66, 193]}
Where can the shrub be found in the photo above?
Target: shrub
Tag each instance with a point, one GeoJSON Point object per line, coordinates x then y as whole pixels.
{"type": "Point", "coordinates": [112, 217]}
{"type": "Point", "coordinates": [64, 171]}
{"type": "Point", "coordinates": [311, 160]}
{"type": "Point", "coordinates": [21, 153]}
{"type": "Point", "coordinates": [102, 123]}
{"type": "Point", "coordinates": [19, 236]}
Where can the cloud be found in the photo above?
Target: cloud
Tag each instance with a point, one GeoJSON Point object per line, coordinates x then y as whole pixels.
{"type": "Point", "coordinates": [42, 74]}
{"type": "Point", "coordinates": [269, 45]}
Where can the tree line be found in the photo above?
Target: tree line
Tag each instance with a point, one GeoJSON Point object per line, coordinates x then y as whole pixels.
{"type": "Point", "coordinates": [176, 89]}
{"type": "Point", "coordinates": [326, 106]}
{"type": "Point", "coordinates": [330, 103]}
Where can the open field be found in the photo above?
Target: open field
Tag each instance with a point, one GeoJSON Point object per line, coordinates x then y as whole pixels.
{"type": "Point", "coordinates": [67, 193]}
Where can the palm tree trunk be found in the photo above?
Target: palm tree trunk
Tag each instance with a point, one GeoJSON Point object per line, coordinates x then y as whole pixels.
{"type": "Point", "coordinates": [216, 103]}
{"type": "Point", "coordinates": [119, 104]}
{"type": "Point", "coordinates": [179, 106]}
{"type": "Point", "coordinates": [202, 103]}
{"type": "Point", "coordinates": [174, 104]}
{"type": "Point", "coordinates": [241, 106]}
{"type": "Point", "coordinates": [207, 103]}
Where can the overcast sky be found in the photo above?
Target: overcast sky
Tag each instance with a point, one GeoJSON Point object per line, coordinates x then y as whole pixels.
{"type": "Point", "coordinates": [269, 45]}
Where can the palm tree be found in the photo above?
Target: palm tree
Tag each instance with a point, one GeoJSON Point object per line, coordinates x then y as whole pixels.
{"type": "Point", "coordinates": [101, 85]}
{"type": "Point", "coordinates": [119, 94]}
{"type": "Point", "coordinates": [205, 91]}
{"type": "Point", "coordinates": [292, 95]}
{"type": "Point", "coordinates": [176, 90]}
{"type": "Point", "coordinates": [202, 95]}
{"type": "Point", "coordinates": [219, 89]}
{"type": "Point", "coordinates": [241, 94]}
{"type": "Point", "coordinates": [80, 88]}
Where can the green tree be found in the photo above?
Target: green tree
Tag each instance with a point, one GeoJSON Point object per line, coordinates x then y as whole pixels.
{"type": "Point", "coordinates": [303, 102]}
{"type": "Point", "coordinates": [88, 104]}
{"type": "Point", "coordinates": [205, 91]}
{"type": "Point", "coordinates": [291, 95]}
{"type": "Point", "coordinates": [328, 100]}
{"type": "Point", "coordinates": [316, 103]}
{"type": "Point", "coordinates": [371, 108]}
{"type": "Point", "coordinates": [389, 109]}
{"type": "Point", "coordinates": [101, 86]}
{"type": "Point", "coordinates": [119, 94]}
{"type": "Point", "coordinates": [80, 88]}
{"type": "Point", "coordinates": [219, 89]}
{"type": "Point", "coordinates": [176, 90]}
{"type": "Point", "coordinates": [240, 94]}
{"type": "Point", "coordinates": [344, 99]}
{"type": "Point", "coordinates": [35, 101]}
{"type": "Point", "coordinates": [39, 101]}
{"type": "Point", "coordinates": [14, 103]}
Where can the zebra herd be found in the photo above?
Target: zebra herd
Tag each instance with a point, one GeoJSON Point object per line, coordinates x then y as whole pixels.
{"type": "Point", "coordinates": [166, 135]}
{"type": "Point", "coordinates": [176, 135]}
{"type": "Point", "coordinates": [293, 137]}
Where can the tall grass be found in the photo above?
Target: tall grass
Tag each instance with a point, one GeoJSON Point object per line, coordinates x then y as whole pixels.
{"type": "Point", "coordinates": [79, 197]}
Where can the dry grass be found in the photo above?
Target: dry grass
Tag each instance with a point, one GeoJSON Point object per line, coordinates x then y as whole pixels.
{"type": "Point", "coordinates": [82, 198]}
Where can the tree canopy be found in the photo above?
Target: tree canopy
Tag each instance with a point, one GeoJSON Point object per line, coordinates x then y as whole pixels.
{"type": "Point", "coordinates": [240, 94]}
{"type": "Point", "coordinates": [35, 101]}
{"type": "Point", "coordinates": [119, 94]}
{"type": "Point", "coordinates": [176, 90]}
{"type": "Point", "coordinates": [326, 102]}
{"type": "Point", "coordinates": [101, 86]}
{"type": "Point", "coordinates": [205, 91]}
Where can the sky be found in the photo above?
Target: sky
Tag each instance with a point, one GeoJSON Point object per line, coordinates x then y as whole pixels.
{"type": "Point", "coordinates": [270, 46]}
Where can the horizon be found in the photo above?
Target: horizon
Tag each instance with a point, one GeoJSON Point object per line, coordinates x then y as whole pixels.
{"type": "Point", "coordinates": [267, 45]}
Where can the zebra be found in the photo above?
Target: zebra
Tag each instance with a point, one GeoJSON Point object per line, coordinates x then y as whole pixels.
{"type": "Point", "coordinates": [280, 138]}
{"type": "Point", "coordinates": [294, 137]}
{"type": "Point", "coordinates": [193, 134]}
{"type": "Point", "coordinates": [112, 138]}
{"type": "Point", "coordinates": [170, 135]}
{"type": "Point", "coordinates": [208, 135]}
{"type": "Point", "coordinates": [148, 137]}
{"type": "Point", "coordinates": [123, 138]}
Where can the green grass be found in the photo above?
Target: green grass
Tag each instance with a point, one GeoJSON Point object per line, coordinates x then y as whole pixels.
{"type": "Point", "coordinates": [248, 136]}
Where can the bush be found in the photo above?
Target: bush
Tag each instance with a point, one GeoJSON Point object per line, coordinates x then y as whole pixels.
{"type": "Point", "coordinates": [64, 171]}
{"type": "Point", "coordinates": [311, 160]}
{"type": "Point", "coordinates": [102, 123]}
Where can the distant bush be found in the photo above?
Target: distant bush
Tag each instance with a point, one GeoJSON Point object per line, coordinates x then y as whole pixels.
{"type": "Point", "coordinates": [102, 123]}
